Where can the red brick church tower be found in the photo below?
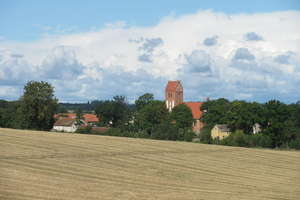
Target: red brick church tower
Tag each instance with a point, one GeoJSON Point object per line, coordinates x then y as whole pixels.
{"type": "Point", "coordinates": [174, 94]}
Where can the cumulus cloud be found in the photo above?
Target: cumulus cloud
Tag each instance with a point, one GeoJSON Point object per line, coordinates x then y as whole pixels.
{"type": "Point", "coordinates": [252, 36]}
{"type": "Point", "coordinates": [147, 48]}
{"type": "Point", "coordinates": [243, 54]}
{"type": "Point", "coordinates": [198, 62]}
{"type": "Point", "coordinates": [210, 41]}
{"type": "Point", "coordinates": [61, 64]}
{"type": "Point", "coordinates": [130, 60]}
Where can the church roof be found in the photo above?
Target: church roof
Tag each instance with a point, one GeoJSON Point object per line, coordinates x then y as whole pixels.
{"type": "Point", "coordinates": [172, 85]}
{"type": "Point", "coordinates": [195, 107]}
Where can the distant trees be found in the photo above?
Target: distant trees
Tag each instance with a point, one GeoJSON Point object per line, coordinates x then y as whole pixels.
{"type": "Point", "coordinates": [279, 122]}
{"type": "Point", "coordinates": [113, 112]}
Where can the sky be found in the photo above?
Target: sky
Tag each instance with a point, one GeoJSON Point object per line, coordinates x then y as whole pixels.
{"type": "Point", "coordinates": [245, 50]}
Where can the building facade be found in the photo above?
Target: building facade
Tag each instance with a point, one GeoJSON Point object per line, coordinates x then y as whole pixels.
{"type": "Point", "coordinates": [220, 131]}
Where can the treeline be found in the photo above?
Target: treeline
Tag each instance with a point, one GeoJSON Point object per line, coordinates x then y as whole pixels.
{"type": "Point", "coordinates": [279, 123]}
{"type": "Point", "coordinates": [147, 118]}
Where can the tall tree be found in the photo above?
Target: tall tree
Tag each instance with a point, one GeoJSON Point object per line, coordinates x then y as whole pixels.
{"type": "Point", "coordinates": [151, 115]}
{"type": "Point", "coordinates": [38, 105]}
{"type": "Point", "coordinates": [182, 116]}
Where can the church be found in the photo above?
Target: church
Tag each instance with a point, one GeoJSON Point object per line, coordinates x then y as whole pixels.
{"type": "Point", "coordinates": [174, 96]}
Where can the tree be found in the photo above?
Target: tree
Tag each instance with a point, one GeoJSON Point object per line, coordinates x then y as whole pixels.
{"type": "Point", "coordinates": [38, 105]}
{"type": "Point", "coordinates": [143, 100]}
{"type": "Point", "coordinates": [214, 112]}
{"type": "Point", "coordinates": [151, 115]}
{"type": "Point", "coordinates": [114, 112]}
{"type": "Point", "coordinates": [182, 116]}
{"type": "Point", "coordinates": [79, 117]}
{"type": "Point", "coordinates": [276, 117]}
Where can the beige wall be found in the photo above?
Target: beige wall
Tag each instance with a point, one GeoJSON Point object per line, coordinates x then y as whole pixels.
{"type": "Point", "coordinates": [197, 126]}
{"type": "Point", "coordinates": [215, 132]}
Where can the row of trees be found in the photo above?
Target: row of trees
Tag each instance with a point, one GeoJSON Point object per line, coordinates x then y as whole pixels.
{"type": "Point", "coordinates": [147, 118]}
{"type": "Point", "coordinates": [279, 122]}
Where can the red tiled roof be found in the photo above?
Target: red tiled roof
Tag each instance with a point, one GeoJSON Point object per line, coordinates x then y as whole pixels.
{"type": "Point", "coordinates": [64, 122]}
{"type": "Point", "coordinates": [90, 118]}
{"type": "Point", "coordinates": [195, 107]}
{"type": "Point", "coordinates": [87, 117]}
{"type": "Point", "coordinates": [65, 115]}
{"type": "Point", "coordinates": [172, 85]}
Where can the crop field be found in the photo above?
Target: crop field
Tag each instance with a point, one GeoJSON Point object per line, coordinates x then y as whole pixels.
{"type": "Point", "coordinates": [44, 165]}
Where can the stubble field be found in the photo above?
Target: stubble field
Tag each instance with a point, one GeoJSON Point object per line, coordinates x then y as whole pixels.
{"type": "Point", "coordinates": [43, 165]}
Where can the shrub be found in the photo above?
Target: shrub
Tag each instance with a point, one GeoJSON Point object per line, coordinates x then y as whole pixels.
{"type": "Point", "coordinates": [205, 136]}
{"type": "Point", "coordinates": [84, 129]}
{"type": "Point", "coordinates": [295, 144]}
{"type": "Point", "coordinates": [189, 135]}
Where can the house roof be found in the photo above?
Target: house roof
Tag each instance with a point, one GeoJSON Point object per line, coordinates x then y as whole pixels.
{"type": "Point", "coordinates": [64, 122]}
{"type": "Point", "coordinates": [195, 107]}
{"type": "Point", "coordinates": [87, 117]}
{"type": "Point", "coordinates": [222, 127]}
{"type": "Point", "coordinates": [90, 118]}
{"type": "Point", "coordinates": [172, 85]}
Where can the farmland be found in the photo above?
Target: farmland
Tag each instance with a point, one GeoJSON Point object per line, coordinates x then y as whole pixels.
{"type": "Point", "coordinates": [44, 165]}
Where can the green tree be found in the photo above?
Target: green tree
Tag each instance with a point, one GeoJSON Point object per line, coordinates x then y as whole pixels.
{"type": "Point", "coordinates": [113, 113]}
{"type": "Point", "coordinates": [143, 100]}
{"type": "Point", "coordinates": [243, 115]}
{"type": "Point", "coordinates": [79, 117]}
{"type": "Point", "coordinates": [276, 122]}
{"type": "Point", "coordinates": [182, 116]}
{"type": "Point", "coordinates": [38, 105]}
{"type": "Point", "coordinates": [215, 112]}
{"type": "Point", "coordinates": [151, 115]}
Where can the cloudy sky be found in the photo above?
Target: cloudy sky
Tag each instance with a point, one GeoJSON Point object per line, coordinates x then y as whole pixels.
{"type": "Point", "coordinates": [247, 50]}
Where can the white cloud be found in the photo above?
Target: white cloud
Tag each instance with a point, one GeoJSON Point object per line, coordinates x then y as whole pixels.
{"type": "Point", "coordinates": [123, 59]}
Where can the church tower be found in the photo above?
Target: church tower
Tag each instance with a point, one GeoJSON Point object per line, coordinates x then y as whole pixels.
{"type": "Point", "coordinates": [173, 94]}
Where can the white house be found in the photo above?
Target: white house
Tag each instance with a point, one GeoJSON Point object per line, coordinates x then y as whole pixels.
{"type": "Point", "coordinates": [65, 125]}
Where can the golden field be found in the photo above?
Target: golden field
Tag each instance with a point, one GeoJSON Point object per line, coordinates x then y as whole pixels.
{"type": "Point", "coordinates": [44, 165]}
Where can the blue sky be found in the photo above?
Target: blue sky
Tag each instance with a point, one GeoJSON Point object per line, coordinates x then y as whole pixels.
{"type": "Point", "coordinates": [247, 50]}
{"type": "Point", "coordinates": [28, 20]}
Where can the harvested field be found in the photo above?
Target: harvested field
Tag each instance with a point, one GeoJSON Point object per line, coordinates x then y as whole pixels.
{"type": "Point", "coordinates": [43, 165]}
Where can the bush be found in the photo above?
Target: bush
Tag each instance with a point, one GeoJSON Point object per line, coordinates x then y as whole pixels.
{"type": "Point", "coordinates": [84, 130]}
{"type": "Point", "coordinates": [205, 136]}
{"type": "Point", "coordinates": [295, 144]}
{"type": "Point", "coordinates": [237, 138]}
{"type": "Point", "coordinates": [189, 135]}
{"type": "Point", "coordinates": [164, 131]}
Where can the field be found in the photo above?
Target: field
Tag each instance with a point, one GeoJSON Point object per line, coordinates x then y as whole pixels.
{"type": "Point", "coordinates": [43, 165]}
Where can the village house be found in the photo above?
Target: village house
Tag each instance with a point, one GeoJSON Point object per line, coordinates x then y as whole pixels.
{"type": "Point", "coordinates": [174, 97]}
{"type": "Point", "coordinates": [89, 119]}
{"type": "Point", "coordinates": [66, 122]}
{"type": "Point", "coordinates": [220, 131]}
{"type": "Point", "coordinates": [65, 125]}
